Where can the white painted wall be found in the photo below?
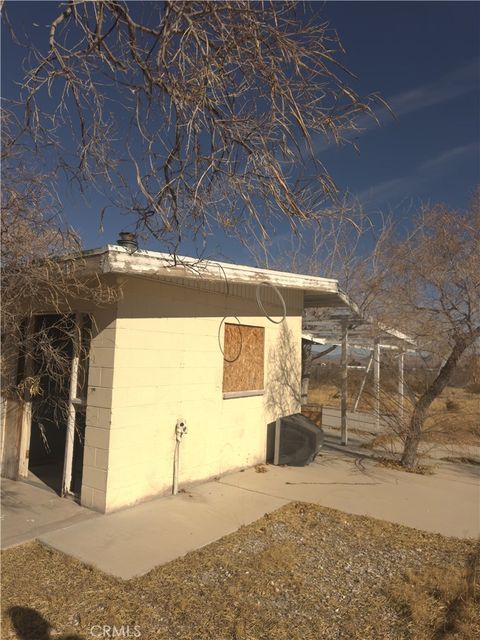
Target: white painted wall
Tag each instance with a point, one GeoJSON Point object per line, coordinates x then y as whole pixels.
{"type": "Point", "coordinates": [160, 360]}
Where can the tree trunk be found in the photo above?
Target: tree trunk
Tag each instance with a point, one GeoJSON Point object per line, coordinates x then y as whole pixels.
{"type": "Point", "coordinates": [414, 435]}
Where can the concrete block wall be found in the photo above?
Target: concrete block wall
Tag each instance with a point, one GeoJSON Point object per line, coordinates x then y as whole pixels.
{"type": "Point", "coordinates": [99, 410]}
{"type": "Point", "coordinates": [168, 364]}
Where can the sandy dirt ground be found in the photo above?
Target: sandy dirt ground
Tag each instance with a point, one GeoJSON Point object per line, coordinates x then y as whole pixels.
{"type": "Point", "coordinates": [303, 572]}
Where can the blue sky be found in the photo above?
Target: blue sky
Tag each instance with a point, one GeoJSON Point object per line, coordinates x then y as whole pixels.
{"type": "Point", "coordinates": [423, 57]}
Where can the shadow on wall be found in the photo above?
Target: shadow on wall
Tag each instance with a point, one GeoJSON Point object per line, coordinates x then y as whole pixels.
{"type": "Point", "coordinates": [177, 298]}
{"type": "Point", "coordinates": [283, 388]}
{"type": "Point", "coordinates": [31, 625]}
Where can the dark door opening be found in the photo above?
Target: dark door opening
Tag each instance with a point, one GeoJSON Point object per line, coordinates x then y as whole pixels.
{"type": "Point", "coordinates": [54, 349]}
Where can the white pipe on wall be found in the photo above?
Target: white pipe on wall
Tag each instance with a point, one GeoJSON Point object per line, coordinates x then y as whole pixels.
{"type": "Point", "coordinates": [180, 431]}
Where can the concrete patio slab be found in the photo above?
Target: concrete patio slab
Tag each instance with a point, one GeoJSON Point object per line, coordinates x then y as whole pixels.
{"type": "Point", "coordinates": [28, 511]}
{"type": "Point", "coordinates": [129, 543]}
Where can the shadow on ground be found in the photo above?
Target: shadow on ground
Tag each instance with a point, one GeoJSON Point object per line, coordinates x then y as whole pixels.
{"type": "Point", "coordinates": [31, 625]}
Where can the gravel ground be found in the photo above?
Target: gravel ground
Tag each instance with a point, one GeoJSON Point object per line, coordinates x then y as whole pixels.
{"type": "Point", "coordinates": [304, 572]}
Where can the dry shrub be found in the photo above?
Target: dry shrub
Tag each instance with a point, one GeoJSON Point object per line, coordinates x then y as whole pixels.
{"type": "Point", "coordinates": [43, 272]}
{"type": "Point", "coordinates": [440, 602]}
{"type": "Point", "coordinates": [474, 387]}
{"type": "Point", "coordinates": [452, 419]}
{"type": "Point", "coordinates": [451, 405]}
{"type": "Point", "coordinates": [420, 469]}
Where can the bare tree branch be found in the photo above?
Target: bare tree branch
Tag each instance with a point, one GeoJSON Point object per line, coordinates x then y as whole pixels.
{"type": "Point", "coordinates": [215, 105]}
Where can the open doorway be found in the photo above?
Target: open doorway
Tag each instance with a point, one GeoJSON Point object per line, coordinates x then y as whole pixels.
{"type": "Point", "coordinates": [59, 367]}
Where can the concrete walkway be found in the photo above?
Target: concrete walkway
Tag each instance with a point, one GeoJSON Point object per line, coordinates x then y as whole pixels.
{"type": "Point", "coordinates": [129, 543]}
{"type": "Point", "coordinates": [447, 502]}
{"type": "Point", "coordinates": [28, 511]}
{"type": "Point", "coordinates": [133, 541]}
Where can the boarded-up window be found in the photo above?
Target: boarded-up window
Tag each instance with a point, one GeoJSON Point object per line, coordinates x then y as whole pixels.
{"type": "Point", "coordinates": [243, 358]}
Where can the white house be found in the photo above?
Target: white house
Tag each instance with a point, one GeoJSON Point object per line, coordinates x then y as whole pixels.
{"type": "Point", "coordinates": [213, 345]}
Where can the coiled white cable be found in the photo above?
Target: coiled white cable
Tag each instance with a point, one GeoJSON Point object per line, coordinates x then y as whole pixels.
{"type": "Point", "coordinates": [280, 297]}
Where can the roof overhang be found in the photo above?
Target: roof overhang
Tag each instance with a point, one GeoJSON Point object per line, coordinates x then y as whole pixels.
{"type": "Point", "coordinates": [114, 259]}
{"type": "Point", "coordinates": [324, 294]}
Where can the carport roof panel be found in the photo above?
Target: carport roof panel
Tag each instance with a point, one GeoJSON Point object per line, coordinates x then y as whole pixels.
{"type": "Point", "coordinates": [327, 329]}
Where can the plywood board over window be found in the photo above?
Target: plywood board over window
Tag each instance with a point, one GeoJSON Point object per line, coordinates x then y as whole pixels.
{"type": "Point", "coordinates": [243, 363]}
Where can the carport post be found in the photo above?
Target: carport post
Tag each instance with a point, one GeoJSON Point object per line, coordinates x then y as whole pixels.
{"type": "Point", "coordinates": [401, 380]}
{"type": "Point", "coordinates": [68, 460]}
{"type": "Point", "coordinates": [26, 424]}
{"type": "Point", "coordinates": [344, 377]}
{"type": "Point", "coordinates": [376, 381]}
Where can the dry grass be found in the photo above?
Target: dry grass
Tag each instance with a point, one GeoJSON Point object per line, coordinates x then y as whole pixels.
{"type": "Point", "coordinates": [458, 425]}
{"type": "Point", "coordinates": [440, 602]}
{"type": "Point", "coordinates": [304, 572]}
{"type": "Point", "coordinates": [326, 394]}
{"type": "Point", "coordinates": [421, 469]}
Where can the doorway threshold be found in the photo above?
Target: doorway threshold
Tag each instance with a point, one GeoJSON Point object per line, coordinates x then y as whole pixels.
{"type": "Point", "coordinates": [29, 511]}
{"type": "Point", "coordinates": [47, 482]}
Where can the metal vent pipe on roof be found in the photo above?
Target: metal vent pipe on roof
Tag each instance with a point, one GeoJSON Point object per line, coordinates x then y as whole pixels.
{"type": "Point", "coordinates": [128, 240]}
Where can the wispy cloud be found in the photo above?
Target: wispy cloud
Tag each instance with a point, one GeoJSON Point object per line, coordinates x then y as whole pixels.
{"type": "Point", "coordinates": [451, 85]}
{"type": "Point", "coordinates": [386, 190]}
{"type": "Point", "coordinates": [449, 156]}
{"type": "Point", "coordinates": [406, 186]}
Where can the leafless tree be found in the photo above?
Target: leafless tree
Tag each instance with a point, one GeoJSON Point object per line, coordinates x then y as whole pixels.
{"type": "Point", "coordinates": [42, 272]}
{"type": "Point", "coordinates": [429, 284]}
{"type": "Point", "coordinates": [196, 115]}
{"type": "Point", "coordinates": [425, 282]}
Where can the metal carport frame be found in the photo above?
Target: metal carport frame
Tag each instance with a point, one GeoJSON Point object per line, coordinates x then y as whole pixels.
{"type": "Point", "coordinates": [347, 327]}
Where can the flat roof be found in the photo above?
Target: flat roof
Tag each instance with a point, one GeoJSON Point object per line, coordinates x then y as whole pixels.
{"type": "Point", "coordinates": [318, 292]}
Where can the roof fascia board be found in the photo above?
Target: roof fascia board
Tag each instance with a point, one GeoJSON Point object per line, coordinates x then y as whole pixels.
{"type": "Point", "coordinates": [119, 260]}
